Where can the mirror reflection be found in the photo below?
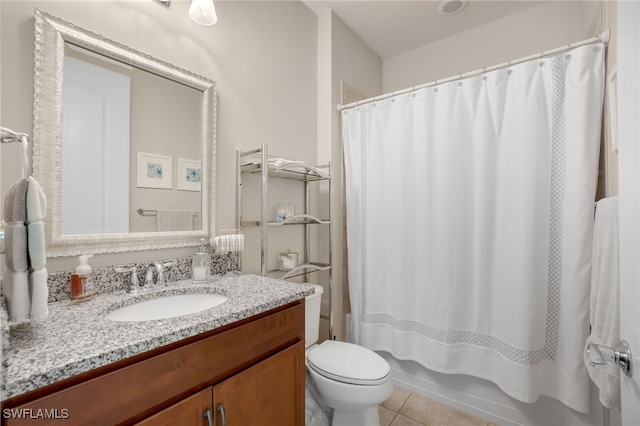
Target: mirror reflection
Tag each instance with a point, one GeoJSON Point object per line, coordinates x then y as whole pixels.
{"type": "Point", "coordinates": [131, 147]}
{"type": "Point", "coordinates": [123, 145]}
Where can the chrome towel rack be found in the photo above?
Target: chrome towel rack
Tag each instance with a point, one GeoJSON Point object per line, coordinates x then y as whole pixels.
{"type": "Point", "coordinates": [154, 212]}
{"type": "Point", "coordinates": [9, 136]}
{"type": "Point", "coordinates": [147, 212]}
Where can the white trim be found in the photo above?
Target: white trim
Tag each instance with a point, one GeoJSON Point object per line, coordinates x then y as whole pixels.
{"type": "Point", "coordinates": [483, 399]}
{"type": "Point", "coordinates": [612, 116]}
{"type": "Point", "coordinates": [629, 201]}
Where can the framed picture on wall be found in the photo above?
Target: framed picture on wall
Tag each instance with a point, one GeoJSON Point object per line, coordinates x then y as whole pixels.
{"type": "Point", "coordinates": [189, 174]}
{"type": "Point", "coordinates": [154, 171]}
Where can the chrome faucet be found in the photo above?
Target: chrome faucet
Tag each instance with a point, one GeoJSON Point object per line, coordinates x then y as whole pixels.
{"type": "Point", "coordinates": [158, 267]}
{"type": "Point", "coordinates": [148, 277]}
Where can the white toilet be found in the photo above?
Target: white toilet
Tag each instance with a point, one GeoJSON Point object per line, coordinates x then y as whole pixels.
{"type": "Point", "coordinates": [350, 379]}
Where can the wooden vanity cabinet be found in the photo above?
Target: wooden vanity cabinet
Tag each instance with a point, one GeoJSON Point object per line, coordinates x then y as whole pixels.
{"type": "Point", "coordinates": [254, 369]}
{"type": "Point", "coordinates": [192, 411]}
{"type": "Point", "coordinates": [265, 394]}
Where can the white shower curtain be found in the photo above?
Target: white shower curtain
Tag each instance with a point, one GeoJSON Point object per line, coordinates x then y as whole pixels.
{"type": "Point", "coordinates": [469, 218]}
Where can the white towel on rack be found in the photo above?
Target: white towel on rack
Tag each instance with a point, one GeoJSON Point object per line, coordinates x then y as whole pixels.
{"type": "Point", "coordinates": [15, 287]}
{"type": "Point", "coordinates": [25, 279]}
{"type": "Point", "coordinates": [15, 279]}
{"type": "Point", "coordinates": [38, 289]}
{"type": "Point", "coordinates": [224, 243]}
{"type": "Point", "coordinates": [174, 220]}
{"type": "Point", "coordinates": [605, 314]}
{"type": "Point", "coordinates": [16, 246]}
{"type": "Point", "coordinates": [36, 202]}
{"type": "Point", "coordinates": [38, 294]}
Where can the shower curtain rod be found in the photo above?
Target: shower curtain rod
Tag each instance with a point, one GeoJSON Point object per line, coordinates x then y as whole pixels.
{"type": "Point", "coordinates": [602, 38]}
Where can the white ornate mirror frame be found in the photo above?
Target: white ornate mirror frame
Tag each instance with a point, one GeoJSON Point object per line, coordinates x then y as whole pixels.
{"type": "Point", "coordinates": [51, 34]}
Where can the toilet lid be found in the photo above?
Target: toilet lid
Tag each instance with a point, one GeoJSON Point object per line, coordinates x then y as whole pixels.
{"type": "Point", "coordinates": [348, 363]}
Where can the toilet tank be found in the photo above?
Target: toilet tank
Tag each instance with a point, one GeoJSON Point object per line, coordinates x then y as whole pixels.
{"type": "Point", "coordinates": [312, 315]}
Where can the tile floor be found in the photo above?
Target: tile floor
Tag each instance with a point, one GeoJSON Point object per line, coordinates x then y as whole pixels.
{"type": "Point", "coordinates": [404, 408]}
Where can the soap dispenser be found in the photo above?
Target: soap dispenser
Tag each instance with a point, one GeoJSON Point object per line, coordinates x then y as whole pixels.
{"type": "Point", "coordinates": [82, 288]}
{"type": "Point", "coordinates": [200, 267]}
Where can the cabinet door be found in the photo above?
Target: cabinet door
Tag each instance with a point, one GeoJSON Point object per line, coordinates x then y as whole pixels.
{"type": "Point", "coordinates": [269, 393]}
{"type": "Point", "coordinates": [190, 411]}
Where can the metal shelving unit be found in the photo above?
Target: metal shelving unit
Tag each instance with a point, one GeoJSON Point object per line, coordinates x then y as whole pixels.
{"type": "Point", "coordinates": [258, 162]}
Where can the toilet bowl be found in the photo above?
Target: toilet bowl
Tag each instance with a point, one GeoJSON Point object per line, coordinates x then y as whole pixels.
{"type": "Point", "coordinates": [350, 379]}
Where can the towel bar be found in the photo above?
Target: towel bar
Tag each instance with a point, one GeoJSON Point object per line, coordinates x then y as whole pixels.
{"type": "Point", "coordinates": [153, 212]}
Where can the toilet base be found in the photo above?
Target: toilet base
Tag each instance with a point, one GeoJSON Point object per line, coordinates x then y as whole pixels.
{"type": "Point", "coordinates": [367, 417]}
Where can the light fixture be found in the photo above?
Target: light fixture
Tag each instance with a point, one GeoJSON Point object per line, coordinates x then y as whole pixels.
{"type": "Point", "coordinates": [450, 7]}
{"type": "Point", "coordinates": [203, 12]}
{"type": "Point", "coordinates": [165, 3]}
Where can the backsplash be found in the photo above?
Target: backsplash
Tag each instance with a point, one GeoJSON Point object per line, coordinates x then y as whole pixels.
{"type": "Point", "coordinates": [107, 280]}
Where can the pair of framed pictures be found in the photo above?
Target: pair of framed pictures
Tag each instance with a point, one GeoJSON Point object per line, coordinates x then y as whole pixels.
{"type": "Point", "coordinates": [156, 171]}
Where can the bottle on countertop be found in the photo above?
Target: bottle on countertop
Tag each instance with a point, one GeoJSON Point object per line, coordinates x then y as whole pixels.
{"type": "Point", "coordinates": [82, 288]}
{"type": "Point", "coordinates": [200, 265]}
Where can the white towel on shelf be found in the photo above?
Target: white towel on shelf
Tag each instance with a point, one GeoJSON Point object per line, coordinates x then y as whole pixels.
{"type": "Point", "coordinates": [174, 220]}
{"type": "Point", "coordinates": [323, 173]}
{"type": "Point", "coordinates": [605, 314]}
{"type": "Point", "coordinates": [293, 165]}
{"type": "Point", "coordinates": [224, 243]}
{"type": "Point", "coordinates": [273, 161]}
{"type": "Point", "coordinates": [279, 162]}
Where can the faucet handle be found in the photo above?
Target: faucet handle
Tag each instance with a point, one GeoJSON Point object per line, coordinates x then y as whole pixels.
{"type": "Point", "coordinates": [134, 284]}
{"type": "Point", "coordinates": [160, 267]}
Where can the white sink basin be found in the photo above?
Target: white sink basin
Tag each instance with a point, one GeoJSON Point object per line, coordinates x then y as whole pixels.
{"type": "Point", "coordinates": [167, 307]}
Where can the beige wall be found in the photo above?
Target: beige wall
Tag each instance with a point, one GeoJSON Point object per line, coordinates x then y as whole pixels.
{"type": "Point", "coordinates": [610, 150]}
{"type": "Point", "coordinates": [355, 63]}
{"type": "Point", "coordinates": [166, 120]}
{"type": "Point", "coordinates": [543, 27]}
{"type": "Point", "coordinates": [262, 54]}
{"type": "Point", "coordinates": [533, 30]}
{"type": "Point", "coordinates": [342, 55]}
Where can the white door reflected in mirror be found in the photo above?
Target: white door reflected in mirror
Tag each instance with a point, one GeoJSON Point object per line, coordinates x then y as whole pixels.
{"type": "Point", "coordinates": [95, 142]}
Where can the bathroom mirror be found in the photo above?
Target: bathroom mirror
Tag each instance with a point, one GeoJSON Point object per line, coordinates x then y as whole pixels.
{"type": "Point", "coordinates": [150, 175]}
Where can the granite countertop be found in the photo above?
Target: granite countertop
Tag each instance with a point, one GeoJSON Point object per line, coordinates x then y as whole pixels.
{"type": "Point", "coordinates": [76, 338]}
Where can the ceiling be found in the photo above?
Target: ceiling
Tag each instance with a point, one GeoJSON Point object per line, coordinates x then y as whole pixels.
{"type": "Point", "coordinates": [391, 27]}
